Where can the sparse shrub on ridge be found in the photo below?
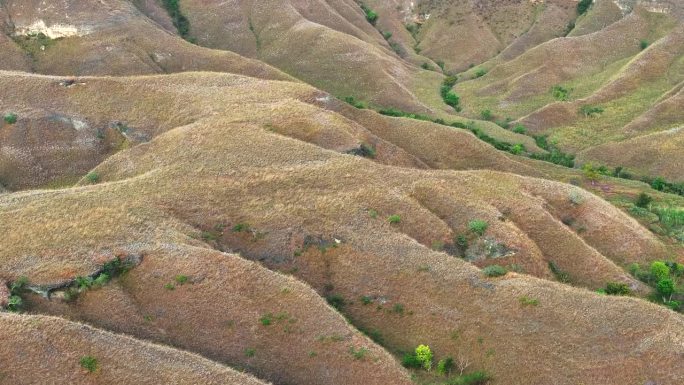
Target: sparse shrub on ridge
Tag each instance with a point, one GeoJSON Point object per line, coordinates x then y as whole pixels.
{"type": "Point", "coordinates": [494, 271]}
{"type": "Point", "coordinates": [93, 177]}
{"type": "Point", "coordinates": [486, 114]}
{"type": "Point", "coordinates": [480, 72]}
{"type": "Point", "coordinates": [643, 44]}
{"type": "Point", "coordinates": [394, 219]}
{"type": "Point", "coordinates": [89, 363]}
{"type": "Point", "coordinates": [10, 118]}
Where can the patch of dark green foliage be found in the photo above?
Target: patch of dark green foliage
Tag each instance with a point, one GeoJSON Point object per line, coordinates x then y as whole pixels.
{"type": "Point", "coordinates": [179, 20]}
{"type": "Point", "coordinates": [371, 15]}
{"type": "Point", "coordinates": [449, 97]}
{"type": "Point", "coordinates": [583, 6]}
{"type": "Point", "coordinates": [553, 155]}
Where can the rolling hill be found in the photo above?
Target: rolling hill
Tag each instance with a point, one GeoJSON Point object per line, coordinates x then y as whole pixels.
{"type": "Point", "coordinates": [257, 191]}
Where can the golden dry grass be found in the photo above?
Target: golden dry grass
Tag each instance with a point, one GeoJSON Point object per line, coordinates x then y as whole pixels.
{"type": "Point", "coordinates": [230, 167]}
{"type": "Point", "coordinates": [49, 350]}
{"type": "Point", "coordinates": [241, 181]}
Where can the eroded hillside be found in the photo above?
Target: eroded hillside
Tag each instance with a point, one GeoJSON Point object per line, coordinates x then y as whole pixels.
{"type": "Point", "coordinates": [286, 188]}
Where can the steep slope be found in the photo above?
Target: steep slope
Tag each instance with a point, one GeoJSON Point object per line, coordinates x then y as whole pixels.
{"type": "Point", "coordinates": [330, 45]}
{"type": "Point", "coordinates": [76, 38]}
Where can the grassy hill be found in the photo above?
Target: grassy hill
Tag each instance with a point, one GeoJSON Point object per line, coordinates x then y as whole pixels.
{"type": "Point", "coordinates": [190, 190]}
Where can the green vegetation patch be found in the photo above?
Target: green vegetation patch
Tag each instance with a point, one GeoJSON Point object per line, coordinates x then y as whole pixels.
{"type": "Point", "coordinates": [181, 22]}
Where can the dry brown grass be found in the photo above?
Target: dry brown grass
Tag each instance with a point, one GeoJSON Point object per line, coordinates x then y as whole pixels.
{"type": "Point", "coordinates": [205, 152]}
{"type": "Point", "coordinates": [49, 349]}
{"type": "Point", "coordinates": [229, 167]}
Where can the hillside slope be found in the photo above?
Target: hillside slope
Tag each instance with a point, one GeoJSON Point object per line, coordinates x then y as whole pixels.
{"type": "Point", "coordinates": [167, 209]}
{"type": "Point", "coordinates": [188, 194]}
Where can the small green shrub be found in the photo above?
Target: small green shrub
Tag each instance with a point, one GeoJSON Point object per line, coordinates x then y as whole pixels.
{"type": "Point", "coordinates": [617, 288]}
{"type": "Point", "coordinates": [486, 114]}
{"type": "Point", "coordinates": [643, 44]}
{"type": "Point", "coordinates": [560, 93]}
{"type": "Point", "coordinates": [398, 308]}
{"type": "Point", "coordinates": [410, 361]}
{"type": "Point", "coordinates": [89, 363]}
{"type": "Point", "coordinates": [250, 352]}
{"type": "Point", "coordinates": [336, 301]}
{"type": "Point", "coordinates": [478, 226]}
{"type": "Point", "coordinates": [14, 303]}
{"type": "Point", "coordinates": [643, 200]}
{"type": "Point", "coordinates": [674, 305]}
{"type": "Point", "coordinates": [387, 35]}
{"type": "Point", "coordinates": [520, 129]}
{"type": "Point", "coordinates": [589, 111]}
{"type": "Point", "coordinates": [494, 271]}
{"type": "Point", "coordinates": [366, 300]}
{"type": "Point", "coordinates": [561, 275]}
{"type": "Point", "coordinates": [445, 365]}
{"type": "Point", "coordinates": [526, 301]}
{"type": "Point", "coordinates": [364, 150]}
{"type": "Point", "coordinates": [93, 177]}
{"type": "Point", "coordinates": [356, 103]}
{"type": "Point", "coordinates": [517, 149]}
{"type": "Point", "coordinates": [170, 286]}
{"type": "Point", "coordinates": [10, 118]}
{"type": "Point", "coordinates": [426, 66]}
{"type": "Point", "coordinates": [181, 279]}
{"type": "Point", "coordinates": [659, 183]}
{"type": "Point", "coordinates": [371, 15]}
{"type": "Point", "coordinates": [480, 72]}
{"type": "Point", "coordinates": [394, 219]}
{"type": "Point", "coordinates": [266, 319]}
{"type": "Point", "coordinates": [452, 99]}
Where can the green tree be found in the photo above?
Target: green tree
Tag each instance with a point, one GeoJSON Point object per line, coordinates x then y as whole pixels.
{"type": "Point", "coordinates": [424, 356]}
{"type": "Point", "coordinates": [659, 183]}
{"type": "Point", "coordinates": [590, 172]}
{"type": "Point", "coordinates": [665, 288]}
{"type": "Point", "coordinates": [660, 270]}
